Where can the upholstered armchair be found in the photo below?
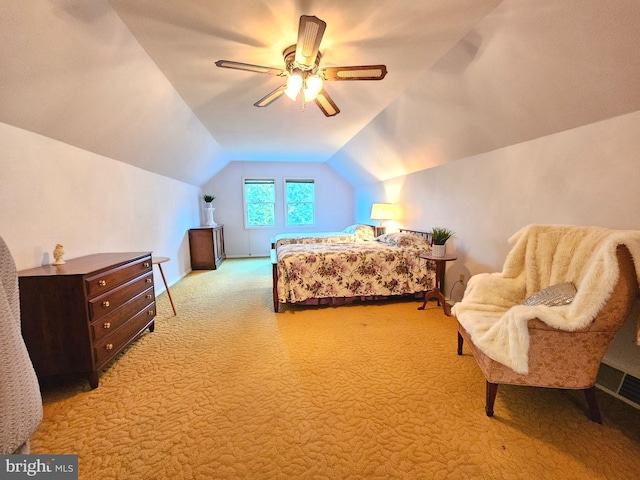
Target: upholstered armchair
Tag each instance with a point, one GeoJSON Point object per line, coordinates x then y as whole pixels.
{"type": "Point", "coordinates": [523, 328]}
{"type": "Point", "coordinates": [20, 400]}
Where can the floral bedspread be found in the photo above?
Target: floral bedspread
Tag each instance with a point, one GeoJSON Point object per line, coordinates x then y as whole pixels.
{"type": "Point", "coordinates": [358, 269]}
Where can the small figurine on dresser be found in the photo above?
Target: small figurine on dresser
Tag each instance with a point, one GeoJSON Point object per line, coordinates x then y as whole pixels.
{"type": "Point", "coordinates": [57, 255]}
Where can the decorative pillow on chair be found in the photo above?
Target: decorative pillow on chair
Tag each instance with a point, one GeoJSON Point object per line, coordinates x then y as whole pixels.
{"type": "Point", "coordinates": [561, 294]}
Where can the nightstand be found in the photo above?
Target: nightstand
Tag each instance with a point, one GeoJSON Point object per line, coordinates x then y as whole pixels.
{"type": "Point", "coordinates": [206, 246]}
{"type": "Point", "coordinates": [436, 292]}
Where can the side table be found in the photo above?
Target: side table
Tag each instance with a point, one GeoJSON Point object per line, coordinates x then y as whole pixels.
{"type": "Point", "coordinates": [436, 291]}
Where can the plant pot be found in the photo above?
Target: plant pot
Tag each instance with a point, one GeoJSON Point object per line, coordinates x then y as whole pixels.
{"type": "Point", "coordinates": [208, 211]}
{"type": "Point", "coordinates": [438, 251]}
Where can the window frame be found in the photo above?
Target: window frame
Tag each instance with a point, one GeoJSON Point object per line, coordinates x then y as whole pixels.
{"type": "Point", "coordinates": [246, 203]}
{"type": "Point", "coordinates": [286, 202]}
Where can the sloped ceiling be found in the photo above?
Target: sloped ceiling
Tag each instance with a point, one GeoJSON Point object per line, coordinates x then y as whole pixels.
{"type": "Point", "coordinates": [136, 81]}
{"type": "Point", "coordinates": [527, 70]}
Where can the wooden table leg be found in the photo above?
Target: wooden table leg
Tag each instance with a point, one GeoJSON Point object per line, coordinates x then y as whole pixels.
{"type": "Point", "coordinates": [436, 292]}
{"type": "Point", "coordinates": [168, 291]}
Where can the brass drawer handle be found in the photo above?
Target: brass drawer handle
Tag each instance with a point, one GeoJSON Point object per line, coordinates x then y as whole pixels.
{"type": "Point", "coordinates": [102, 283]}
{"type": "Point", "coordinates": [105, 304]}
{"type": "Point", "coordinates": [149, 280]}
{"type": "Point", "coordinates": [150, 312]}
{"type": "Point", "coordinates": [109, 346]}
{"type": "Point", "coordinates": [146, 264]}
{"type": "Point", "coordinates": [106, 325]}
{"type": "Point", "coordinates": [149, 296]}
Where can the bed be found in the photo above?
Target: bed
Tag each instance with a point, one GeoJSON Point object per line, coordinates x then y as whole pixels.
{"type": "Point", "coordinates": [335, 273]}
{"type": "Point", "coordinates": [353, 233]}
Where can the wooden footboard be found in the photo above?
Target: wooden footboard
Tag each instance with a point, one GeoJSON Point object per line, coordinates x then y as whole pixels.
{"type": "Point", "coordinates": [274, 266]}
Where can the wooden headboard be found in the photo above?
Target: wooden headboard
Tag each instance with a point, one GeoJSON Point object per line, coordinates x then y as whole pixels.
{"type": "Point", "coordinates": [426, 235]}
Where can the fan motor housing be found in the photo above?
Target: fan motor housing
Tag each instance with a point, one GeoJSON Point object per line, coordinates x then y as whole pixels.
{"type": "Point", "coordinates": [289, 55]}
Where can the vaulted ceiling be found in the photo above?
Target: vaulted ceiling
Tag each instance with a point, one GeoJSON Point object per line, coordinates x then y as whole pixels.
{"type": "Point", "coordinates": [184, 38]}
{"type": "Point", "coordinates": [137, 82]}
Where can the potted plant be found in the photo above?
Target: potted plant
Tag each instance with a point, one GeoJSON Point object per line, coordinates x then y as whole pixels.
{"type": "Point", "coordinates": [439, 236]}
{"type": "Point", "coordinates": [209, 198]}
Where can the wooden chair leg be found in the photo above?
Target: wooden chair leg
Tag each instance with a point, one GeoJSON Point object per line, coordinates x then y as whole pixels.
{"type": "Point", "coordinates": [460, 342]}
{"type": "Point", "coordinates": [492, 390]}
{"type": "Point", "coordinates": [592, 401]}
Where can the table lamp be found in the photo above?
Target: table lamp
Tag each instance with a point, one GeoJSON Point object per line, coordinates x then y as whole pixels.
{"type": "Point", "coordinates": [381, 212]}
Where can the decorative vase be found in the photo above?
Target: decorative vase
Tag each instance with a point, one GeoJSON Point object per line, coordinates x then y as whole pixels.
{"type": "Point", "coordinates": [437, 251]}
{"type": "Point", "coordinates": [210, 222]}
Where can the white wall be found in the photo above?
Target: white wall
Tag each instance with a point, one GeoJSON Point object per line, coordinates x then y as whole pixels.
{"type": "Point", "coordinates": [334, 202]}
{"type": "Point", "coordinates": [52, 192]}
{"type": "Point", "coordinates": [585, 176]}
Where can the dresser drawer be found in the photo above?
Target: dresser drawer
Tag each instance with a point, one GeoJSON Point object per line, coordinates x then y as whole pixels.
{"type": "Point", "coordinates": [112, 344]}
{"type": "Point", "coordinates": [114, 320]}
{"type": "Point", "coordinates": [112, 300]}
{"type": "Point", "coordinates": [105, 281]}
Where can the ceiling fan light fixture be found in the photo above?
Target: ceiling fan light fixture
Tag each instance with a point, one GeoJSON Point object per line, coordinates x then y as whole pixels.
{"type": "Point", "coordinates": [313, 85]}
{"type": "Point", "coordinates": [303, 72]}
{"type": "Point", "coordinates": [294, 84]}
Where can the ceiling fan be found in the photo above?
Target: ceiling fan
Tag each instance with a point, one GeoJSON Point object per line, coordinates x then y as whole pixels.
{"type": "Point", "coordinates": [303, 72]}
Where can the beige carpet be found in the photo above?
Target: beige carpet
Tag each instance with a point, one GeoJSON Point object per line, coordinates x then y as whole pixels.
{"type": "Point", "coordinates": [228, 389]}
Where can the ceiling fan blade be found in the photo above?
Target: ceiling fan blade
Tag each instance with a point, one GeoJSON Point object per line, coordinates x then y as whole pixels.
{"type": "Point", "coordinates": [326, 104]}
{"type": "Point", "coordinates": [271, 97]}
{"type": "Point", "coordinates": [310, 32]}
{"type": "Point", "coordinates": [360, 72]}
{"type": "Point", "coordinates": [247, 67]}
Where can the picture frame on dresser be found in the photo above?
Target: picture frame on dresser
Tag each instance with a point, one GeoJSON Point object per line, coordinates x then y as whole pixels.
{"type": "Point", "coordinates": [77, 317]}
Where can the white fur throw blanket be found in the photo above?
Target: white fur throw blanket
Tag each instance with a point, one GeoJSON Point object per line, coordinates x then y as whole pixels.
{"type": "Point", "coordinates": [542, 256]}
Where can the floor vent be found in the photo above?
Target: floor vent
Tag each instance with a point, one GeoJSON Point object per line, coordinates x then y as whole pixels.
{"type": "Point", "coordinates": [619, 384]}
{"type": "Point", "coordinates": [630, 389]}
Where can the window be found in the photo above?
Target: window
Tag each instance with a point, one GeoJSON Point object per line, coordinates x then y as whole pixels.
{"type": "Point", "coordinates": [300, 198]}
{"type": "Point", "coordinates": [259, 202]}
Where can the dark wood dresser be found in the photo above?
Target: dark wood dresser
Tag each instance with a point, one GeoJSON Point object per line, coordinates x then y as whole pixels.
{"type": "Point", "coordinates": [78, 316]}
{"type": "Point", "coordinates": [206, 245]}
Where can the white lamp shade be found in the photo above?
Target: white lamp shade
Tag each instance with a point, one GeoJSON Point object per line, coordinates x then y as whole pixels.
{"type": "Point", "coordinates": [382, 211]}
